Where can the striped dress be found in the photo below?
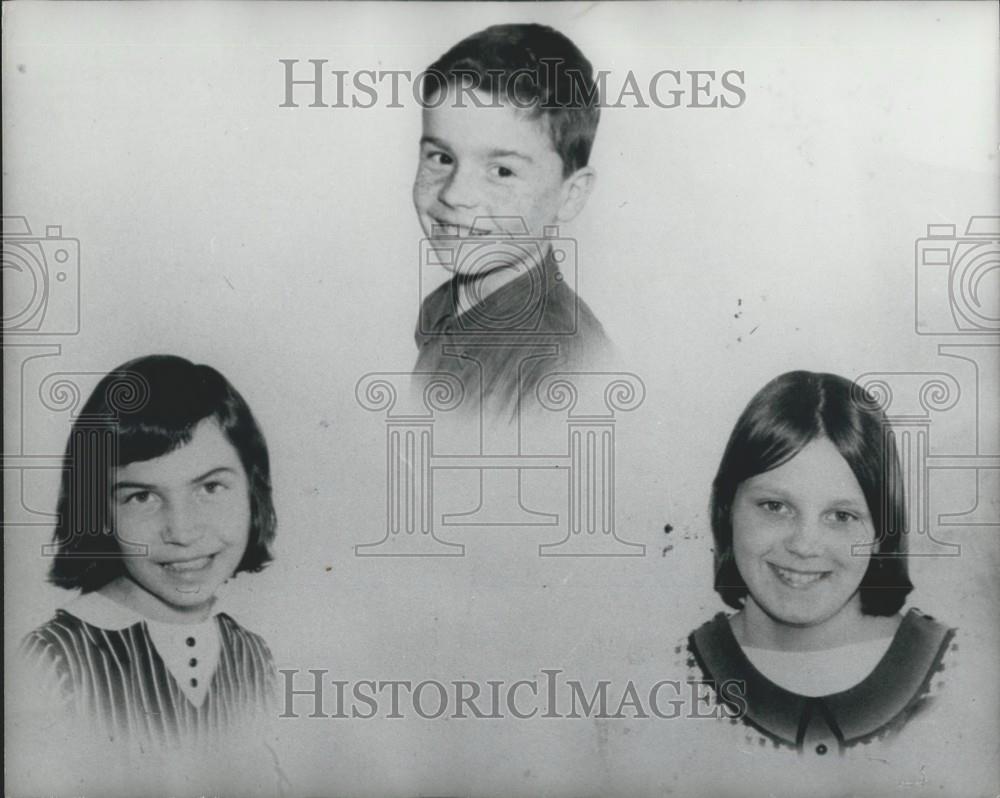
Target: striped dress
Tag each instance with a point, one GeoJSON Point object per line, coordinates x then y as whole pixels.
{"type": "Point", "coordinates": [114, 681]}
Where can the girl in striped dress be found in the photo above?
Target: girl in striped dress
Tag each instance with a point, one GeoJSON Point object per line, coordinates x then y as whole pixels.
{"type": "Point", "coordinates": [165, 495]}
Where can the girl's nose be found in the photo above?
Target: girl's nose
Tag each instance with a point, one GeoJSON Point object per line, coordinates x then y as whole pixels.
{"type": "Point", "coordinates": [805, 539]}
{"type": "Point", "coordinates": [182, 525]}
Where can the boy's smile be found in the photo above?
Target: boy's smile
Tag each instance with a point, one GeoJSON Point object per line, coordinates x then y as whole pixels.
{"type": "Point", "coordinates": [491, 171]}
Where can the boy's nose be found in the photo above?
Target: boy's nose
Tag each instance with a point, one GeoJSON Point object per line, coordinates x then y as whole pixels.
{"type": "Point", "coordinates": [182, 525]}
{"type": "Point", "coordinates": [459, 190]}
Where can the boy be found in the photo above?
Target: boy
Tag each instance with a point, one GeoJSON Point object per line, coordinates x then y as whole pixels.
{"type": "Point", "coordinates": [509, 118]}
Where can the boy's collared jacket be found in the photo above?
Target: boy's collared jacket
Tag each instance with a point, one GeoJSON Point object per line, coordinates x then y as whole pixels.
{"type": "Point", "coordinates": [508, 341]}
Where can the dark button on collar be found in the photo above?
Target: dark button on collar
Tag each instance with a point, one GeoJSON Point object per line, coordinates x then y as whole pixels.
{"type": "Point", "coordinates": [190, 641]}
{"type": "Point", "coordinates": [821, 749]}
{"type": "Point", "coordinates": [192, 662]}
{"type": "Point", "coordinates": [194, 682]}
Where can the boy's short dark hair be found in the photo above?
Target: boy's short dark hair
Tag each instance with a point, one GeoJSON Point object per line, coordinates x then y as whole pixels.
{"type": "Point", "coordinates": [533, 67]}
{"type": "Point", "coordinates": [784, 416]}
{"type": "Point", "coordinates": [146, 408]}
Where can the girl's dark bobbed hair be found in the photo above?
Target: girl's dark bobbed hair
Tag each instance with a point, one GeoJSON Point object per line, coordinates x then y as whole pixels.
{"type": "Point", "coordinates": [141, 410]}
{"type": "Point", "coordinates": [784, 416]}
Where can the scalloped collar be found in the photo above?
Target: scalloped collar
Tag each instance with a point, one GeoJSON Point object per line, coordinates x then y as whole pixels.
{"type": "Point", "coordinates": [896, 683]}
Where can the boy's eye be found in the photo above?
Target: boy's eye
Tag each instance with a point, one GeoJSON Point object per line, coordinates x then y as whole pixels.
{"type": "Point", "coordinates": [844, 516]}
{"type": "Point", "coordinates": [501, 171]}
{"type": "Point", "coordinates": [440, 158]}
{"type": "Point", "coordinates": [213, 488]}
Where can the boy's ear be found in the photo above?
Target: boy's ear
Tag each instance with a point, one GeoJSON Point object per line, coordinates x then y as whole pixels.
{"type": "Point", "coordinates": [576, 190]}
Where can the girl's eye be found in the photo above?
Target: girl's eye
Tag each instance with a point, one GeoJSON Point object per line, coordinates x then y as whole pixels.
{"type": "Point", "coordinates": [772, 506]}
{"type": "Point", "coordinates": [139, 498]}
{"type": "Point", "coordinates": [213, 488]}
{"type": "Point", "coordinates": [844, 517]}
{"type": "Point", "coordinates": [502, 171]}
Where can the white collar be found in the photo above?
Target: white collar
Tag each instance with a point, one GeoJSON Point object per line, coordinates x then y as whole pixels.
{"type": "Point", "coordinates": [100, 611]}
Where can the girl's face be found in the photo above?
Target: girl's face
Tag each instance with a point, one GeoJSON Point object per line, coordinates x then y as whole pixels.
{"type": "Point", "coordinates": [191, 509]}
{"type": "Point", "coordinates": [793, 531]}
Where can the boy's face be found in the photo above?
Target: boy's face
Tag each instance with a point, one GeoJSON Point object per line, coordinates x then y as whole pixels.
{"type": "Point", "coordinates": [479, 165]}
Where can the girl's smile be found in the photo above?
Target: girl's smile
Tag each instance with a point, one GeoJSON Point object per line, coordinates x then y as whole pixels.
{"type": "Point", "coordinates": [793, 532]}
{"type": "Point", "coordinates": [797, 579]}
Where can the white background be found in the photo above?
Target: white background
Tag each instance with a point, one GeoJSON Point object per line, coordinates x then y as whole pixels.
{"type": "Point", "coordinates": [280, 245]}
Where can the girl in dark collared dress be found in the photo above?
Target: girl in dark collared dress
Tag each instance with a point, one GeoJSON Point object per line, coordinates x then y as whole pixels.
{"type": "Point", "coordinates": [809, 526]}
